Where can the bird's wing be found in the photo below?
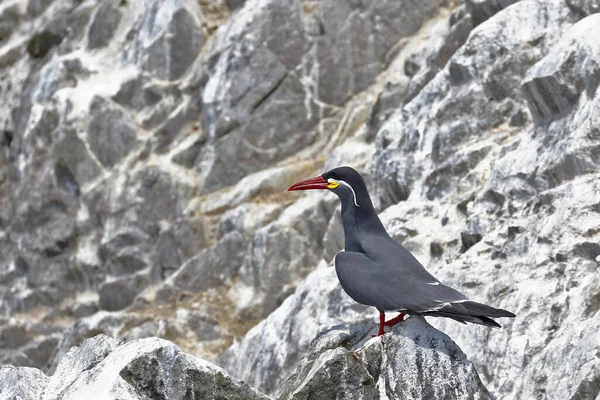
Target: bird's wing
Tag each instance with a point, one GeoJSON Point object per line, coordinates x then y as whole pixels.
{"type": "Point", "coordinates": [390, 290]}
{"type": "Point", "coordinates": [393, 256]}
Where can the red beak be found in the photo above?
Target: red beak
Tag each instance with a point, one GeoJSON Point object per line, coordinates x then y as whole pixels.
{"type": "Point", "coordinates": [318, 182]}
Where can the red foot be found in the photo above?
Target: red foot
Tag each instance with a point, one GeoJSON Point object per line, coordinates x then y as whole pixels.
{"type": "Point", "coordinates": [391, 322]}
{"type": "Point", "coordinates": [395, 321]}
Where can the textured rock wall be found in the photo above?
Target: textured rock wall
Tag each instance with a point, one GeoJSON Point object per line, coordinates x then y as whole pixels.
{"type": "Point", "coordinates": [103, 367]}
{"type": "Point", "coordinates": [489, 175]}
{"type": "Point", "coordinates": [146, 146]}
{"type": "Point", "coordinates": [144, 149]}
{"type": "Point", "coordinates": [416, 361]}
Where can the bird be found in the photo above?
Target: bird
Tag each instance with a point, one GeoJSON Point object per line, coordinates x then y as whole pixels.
{"type": "Point", "coordinates": [375, 270]}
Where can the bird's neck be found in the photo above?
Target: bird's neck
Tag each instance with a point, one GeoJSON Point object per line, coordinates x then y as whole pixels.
{"type": "Point", "coordinates": [358, 222]}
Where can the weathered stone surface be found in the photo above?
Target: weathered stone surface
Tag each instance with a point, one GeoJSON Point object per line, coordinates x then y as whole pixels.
{"type": "Point", "coordinates": [77, 361]}
{"type": "Point", "coordinates": [111, 133]}
{"type": "Point", "coordinates": [9, 19]}
{"type": "Point", "coordinates": [502, 180]}
{"type": "Point", "coordinates": [167, 45]}
{"type": "Point", "coordinates": [104, 22]}
{"type": "Point", "coordinates": [117, 294]}
{"type": "Point", "coordinates": [209, 269]}
{"type": "Point", "coordinates": [276, 259]}
{"type": "Point", "coordinates": [22, 383]}
{"type": "Point", "coordinates": [272, 349]}
{"type": "Point", "coordinates": [481, 10]}
{"type": "Point", "coordinates": [413, 360]}
{"type": "Point", "coordinates": [570, 70]}
{"type": "Point", "coordinates": [330, 61]}
{"type": "Point", "coordinates": [221, 122]}
{"type": "Point", "coordinates": [144, 368]}
{"type": "Point", "coordinates": [584, 7]}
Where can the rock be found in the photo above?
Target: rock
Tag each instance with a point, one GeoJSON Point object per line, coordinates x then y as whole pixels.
{"type": "Point", "coordinates": [554, 85]}
{"type": "Point", "coordinates": [111, 133]}
{"type": "Point", "coordinates": [42, 42]}
{"type": "Point", "coordinates": [77, 361]}
{"type": "Point", "coordinates": [103, 25]}
{"type": "Point", "coordinates": [204, 117]}
{"type": "Point", "coordinates": [482, 10]}
{"type": "Point", "coordinates": [273, 348]}
{"type": "Point", "coordinates": [117, 294]}
{"type": "Point", "coordinates": [107, 323]}
{"type": "Point", "coordinates": [148, 368]}
{"type": "Point", "coordinates": [413, 360]}
{"type": "Point", "coordinates": [389, 100]}
{"type": "Point", "coordinates": [277, 259]}
{"type": "Point", "coordinates": [235, 4]}
{"type": "Point", "coordinates": [584, 7]}
{"type": "Point", "coordinates": [22, 383]}
{"type": "Point", "coordinates": [168, 254]}
{"type": "Point", "coordinates": [13, 336]}
{"type": "Point", "coordinates": [235, 115]}
{"type": "Point", "coordinates": [211, 268]}
{"type": "Point", "coordinates": [9, 18]}
{"type": "Point", "coordinates": [36, 7]}
{"type": "Point", "coordinates": [40, 350]}
{"type": "Point", "coordinates": [167, 46]}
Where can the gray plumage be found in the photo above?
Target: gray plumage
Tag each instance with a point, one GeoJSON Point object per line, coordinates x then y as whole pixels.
{"type": "Point", "coordinates": [377, 271]}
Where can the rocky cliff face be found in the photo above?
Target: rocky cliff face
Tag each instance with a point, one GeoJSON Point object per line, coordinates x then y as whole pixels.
{"type": "Point", "coordinates": [146, 146]}
{"type": "Point", "coordinates": [154, 368]}
{"type": "Point", "coordinates": [414, 361]}
{"type": "Point", "coordinates": [148, 368]}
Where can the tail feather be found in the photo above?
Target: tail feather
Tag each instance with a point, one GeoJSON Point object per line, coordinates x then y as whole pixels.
{"type": "Point", "coordinates": [471, 312]}
{"type": "Point", "coordinates": [475, 308]}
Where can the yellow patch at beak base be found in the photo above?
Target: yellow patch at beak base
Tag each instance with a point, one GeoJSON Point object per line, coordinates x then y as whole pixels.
{"type": "Point", "coordinates": [332, 185]}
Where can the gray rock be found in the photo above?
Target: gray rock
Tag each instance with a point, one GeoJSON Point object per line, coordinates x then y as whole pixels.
{"type": "Point", "coordinates": [191, 236]}
{"type": "Point", "coordinates": [111, 133]}
{"type": "Point", "coordinates": [335, 35]}
{"type": "Point", "coordinates": [454, 122]}
{"type": "Point", "coordinates": [168, 45]}
{"type": "Point", "coordinates": [413, 360]}
{"type": "Point", "coordinates": [584, 7]}
{"type": "Point", "coordinates": [272, 349]}
{"type": "Point", "coordinates": [294, 121]}
{"type": "Point", "coordinates": [36, 7]}
{"type": "Point", "coordinates": [212, 267]}
{"type": "Point", "coordinates": [103, 25]}
{"type": "Point", "coordinates": [389, 100]}
{"type": "Point", "coordinates": [42, 42]}
{"type": "Point", "coordinates": [235, 4]}
{"type": "Point", "coordinates": [482, 10]}
{"type": "Point", "coordinates": [168, 254]}
{"type": "Point", "coordinates": [433, 55]}
{"type": "Point", "coordinates": [144, 368]}
{"type": "Point", "coordinates": [77, 361]}
{"type": "Point", "coordinates": [117, 294]}
{"type": "Point", "coordinates": [277, 259]}
{"type": "Point", "coordinates": [9, 19]}
{"type": "Point", "coordinates": [13, 336]}
{"type": "Point", "coordinates": [553, 86]}
{"type": "Point", "coordinates": [21, 383]}
{"type": "Point", "coordinates": [84, 308]}
{"type": "Point", "coordinates": [104, 322]}
{"type": "Point", "coordinates": [40, 350]}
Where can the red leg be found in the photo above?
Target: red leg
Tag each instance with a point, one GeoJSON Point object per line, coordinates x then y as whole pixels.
{"type": "Point", "coordinates": [394, 321]}
{"type": "Point", "coordinates": [381, 323]}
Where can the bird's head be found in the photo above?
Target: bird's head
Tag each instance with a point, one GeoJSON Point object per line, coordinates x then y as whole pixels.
{"type": "Point", "coordinates": [346, 182]}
